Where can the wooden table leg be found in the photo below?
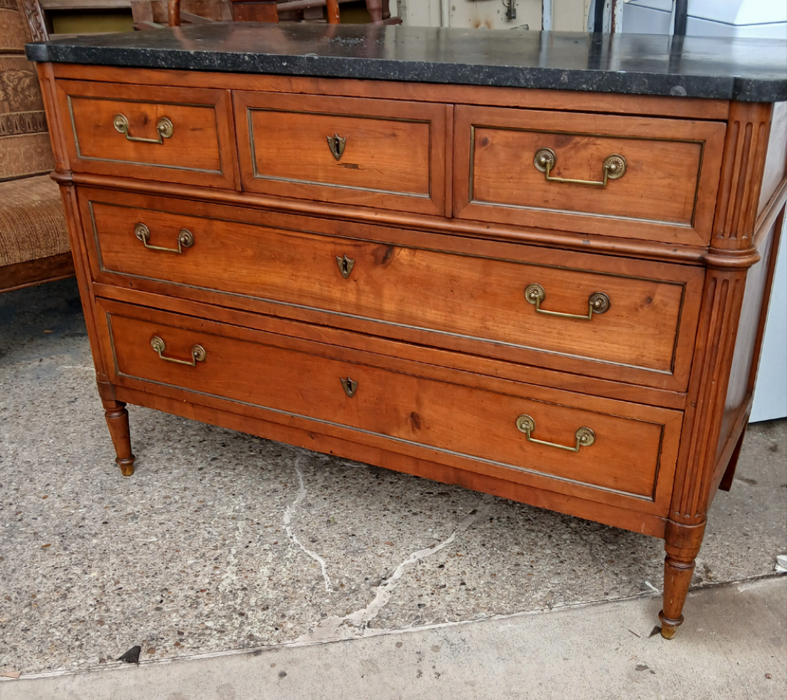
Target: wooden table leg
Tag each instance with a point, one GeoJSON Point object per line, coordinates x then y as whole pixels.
{"type": "Point", "coordinates": [682, 545]}
{"type": "Point", "coordinates": [117, 420]}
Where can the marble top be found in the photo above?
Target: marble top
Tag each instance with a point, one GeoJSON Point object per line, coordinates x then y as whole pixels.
{"type": "Point", "coordinates": [753, 70]}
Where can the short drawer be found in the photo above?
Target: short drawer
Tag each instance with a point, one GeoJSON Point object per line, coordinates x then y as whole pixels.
{"type": "Point", "coordinates": [181, 135]}
{"type": "Point", "coordinates": [376, 153]}
{"type": "Point", "coordinates": [605, 449]}
{"type": "Point", "coordinates": [630, 177]}
{"type": "Point", "coordinates": [604, 317]}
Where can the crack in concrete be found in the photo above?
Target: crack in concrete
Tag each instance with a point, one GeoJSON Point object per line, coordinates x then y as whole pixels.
{"type": "Point", "coordinates": [356, 623]}
{"type": "Point", "coordinates": [289, 512]}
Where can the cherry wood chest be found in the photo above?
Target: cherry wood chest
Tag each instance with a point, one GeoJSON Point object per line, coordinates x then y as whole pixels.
{"type": "Point", "coordinates": [469, 263]}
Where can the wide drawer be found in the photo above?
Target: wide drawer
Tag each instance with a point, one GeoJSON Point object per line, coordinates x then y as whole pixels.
{"type": "Point", "coordinates": [156, 133]}
{"type": "Point", "coordinates": [631, 177]}
{"type": "Point", "coordinates": [375, 153]}
{"type": "Point", "coordinates": [594, 315]}
{"type": "Point", "coordinates": [605, 449]}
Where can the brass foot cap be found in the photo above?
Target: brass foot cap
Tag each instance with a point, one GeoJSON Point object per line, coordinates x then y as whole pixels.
{"type": "Point", "coordinates": [126, 466]}
{"type": "Point", "coordinates": [669, 627]}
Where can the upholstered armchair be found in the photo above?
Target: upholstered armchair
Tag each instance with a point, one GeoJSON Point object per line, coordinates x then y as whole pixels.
{"type": "Point", "coordinates": [34, 243]}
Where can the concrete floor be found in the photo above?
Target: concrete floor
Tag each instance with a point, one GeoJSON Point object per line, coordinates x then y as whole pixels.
{"type": "Point", "coordinates": [222, 541]}
{"type": "Point", "coordinates": [602, 651]}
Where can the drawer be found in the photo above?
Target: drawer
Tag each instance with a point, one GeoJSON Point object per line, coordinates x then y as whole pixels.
{"type": "Point", "coordinates": [595, 315]}
{"type": "Point", "coordinates": [182, 135]}
{"type": "Point", "coordinates": [644, 178]}
{"type": "Point", "coordinates": [603, 449]}
{"type": "Point", "coordinates": [375, 153]}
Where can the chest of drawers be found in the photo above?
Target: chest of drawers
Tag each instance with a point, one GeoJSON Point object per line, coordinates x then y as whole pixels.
{"type": "Point", "coordinates": [552, 296]}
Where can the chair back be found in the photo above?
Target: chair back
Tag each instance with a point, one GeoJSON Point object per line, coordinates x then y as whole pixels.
{"type": "Point", "coordinates": [25, 149]}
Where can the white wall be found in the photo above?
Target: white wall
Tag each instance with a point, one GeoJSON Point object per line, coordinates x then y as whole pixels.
{"type": "Point", "coordinates": [567, 15]}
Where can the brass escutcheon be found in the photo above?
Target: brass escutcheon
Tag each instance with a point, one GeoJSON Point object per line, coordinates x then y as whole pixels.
{"type": "Point", "coordinates": [185, 239]}
{"type": "Point", "coordinates": [613, 168]}
{"type": "Point", "coordinates": [336, 143]}
{"type": "Point", "coordinates": [164, 128]}
{"type": "Point", "coordinates": [598, 303]}
{"type": "Point", "coordinates": [345, 265]}
{"type": "Point", "coordinates": [198, 353]}
{"type": "Point", "coordinates": [585, 437]}
{"type": "Point", "coordinates": [349, 385]}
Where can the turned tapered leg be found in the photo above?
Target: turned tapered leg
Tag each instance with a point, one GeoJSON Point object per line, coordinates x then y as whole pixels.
{"type": "Point", "coordinates": [117, 420]}
{"type": "Point", "coordinates": [682, 545]}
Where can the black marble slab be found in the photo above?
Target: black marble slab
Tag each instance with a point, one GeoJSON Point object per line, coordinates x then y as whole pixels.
{"type": "Point", "coordinates": [751, 70]}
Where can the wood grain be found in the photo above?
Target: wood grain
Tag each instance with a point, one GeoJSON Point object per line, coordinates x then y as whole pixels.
{"type": "Point", "coordinates": [403, 221]}
{"type": "Point", "coordinates": [390, 352]}
{"type": "Point", "coordinates": [745, 150]}
{"type": "Point", "coordinates": [562, 100]}
{"type": "Point", "coordinates": [393, 158]}
{"type": "Point", "coordinates": [280, 377]}
{"type": "Point", "coordinates": [400, 287]}
{"type": "Point", "coordinates": [26, 274]}
{"type": "Point", "coordinates": [201, 150]}
{"type": "Point", "coordinates": [371, 453]}
{"type": "Point", "coordinates": [667, 192]}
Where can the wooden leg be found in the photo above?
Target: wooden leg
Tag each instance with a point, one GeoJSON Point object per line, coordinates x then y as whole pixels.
{"type": "Point", "coordinates": [117, 420]}
{"type": "Point", "coordinates": [682, 546]}
{"type": "Point", "coordinates": [729, 473]}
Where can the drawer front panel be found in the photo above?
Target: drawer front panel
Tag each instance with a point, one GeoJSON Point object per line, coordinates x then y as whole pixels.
{"type": "Point", "coordinates": [170, 134]}
{"type": "Point", "coordinates": [626, 456]}
{"type": "Point", "coordinates": [618, 176]}
{"type": "Point", "coordinates": [369, 152]}
{"type": "Point", "coordinates": [395, 287]}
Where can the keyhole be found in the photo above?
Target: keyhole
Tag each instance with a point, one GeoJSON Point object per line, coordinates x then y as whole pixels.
{"type": "Point", "coordinates": [345, 265]}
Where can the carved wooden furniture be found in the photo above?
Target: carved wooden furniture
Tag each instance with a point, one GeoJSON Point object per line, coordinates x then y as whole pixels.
{"type": "Point", "coordinates": [34, 245]}
{"type": "Point", "coordinates": [556, 297]}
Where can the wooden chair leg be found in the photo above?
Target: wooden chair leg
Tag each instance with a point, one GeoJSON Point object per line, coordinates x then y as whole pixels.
{"type": "Point", "coordinates": [333, 11]}
{"type": "Point", "coordinates": [117, 420]}
{"type": "Point", "coordinates": [682, 544]}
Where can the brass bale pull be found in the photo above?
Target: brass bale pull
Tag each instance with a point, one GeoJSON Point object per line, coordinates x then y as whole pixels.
{"type": "Point", "coordinates": [585, 436]}
{"type": "Point", "coordinates": [598, 303]}
{"type": "Point", "coordinates": [345, 265]}
{"type": "Point", "coordinates": [336, 143]}
{"type": "Point", "coordinates": [613, 168]}
{"type": "Point", "coordinates": [350, 386]}
{"type": "Point", "coordinates": [198, 353]}
{"type": "Point", "coordinates": [164, 128]}
{"type": "Point", "coordinates": [185, 239]}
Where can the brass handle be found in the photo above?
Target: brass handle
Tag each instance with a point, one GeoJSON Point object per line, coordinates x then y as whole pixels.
{"type": "Point", "coordinates": [598, 303]}
{"type": "Point", "coordinates": [198, 353]}
{"type": "Point", "coordinates": [336, 143]}
{"type": "Point", "coordinates": [613, 167]}
{"type": "Point", "coordinates": [164, 128]}
{"type": "Point", "coordinates": [585, 436]}
{"type": "Point", "coordinates": [350, 386]}
{"type": "Point", "coordinates": [185, 239]}
{"type": "Point", "coordinates": [345, 265]}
